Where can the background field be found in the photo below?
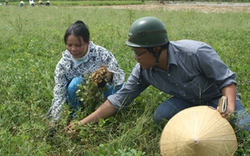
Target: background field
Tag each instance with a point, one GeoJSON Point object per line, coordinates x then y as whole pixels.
{"type": "Point", "coordinates": [31, 42]}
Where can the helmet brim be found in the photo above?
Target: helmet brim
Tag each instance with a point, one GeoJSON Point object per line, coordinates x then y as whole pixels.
{"type": "Point", "coordinates": [130, 44]}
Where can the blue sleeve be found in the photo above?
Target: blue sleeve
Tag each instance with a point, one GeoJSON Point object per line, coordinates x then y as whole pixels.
{"type": "Point", "coordinates": [213, 67]}
{"type": "Point", "coordinates": [131, 89]}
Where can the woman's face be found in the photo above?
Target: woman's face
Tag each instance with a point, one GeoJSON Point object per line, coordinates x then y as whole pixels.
{"type": "Point", "coordinates": [76, 46]}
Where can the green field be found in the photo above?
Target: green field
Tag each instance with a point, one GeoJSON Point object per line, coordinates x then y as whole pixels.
{"type": "Point", "coordinates": [31, 42]}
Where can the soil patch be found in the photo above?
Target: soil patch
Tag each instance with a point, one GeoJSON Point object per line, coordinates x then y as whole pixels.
{"type": "Point", "coordinates": [192, 6]}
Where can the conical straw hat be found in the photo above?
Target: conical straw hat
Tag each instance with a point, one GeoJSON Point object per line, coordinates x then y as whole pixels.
{"type": "Point", "coordinates": [198, 131]}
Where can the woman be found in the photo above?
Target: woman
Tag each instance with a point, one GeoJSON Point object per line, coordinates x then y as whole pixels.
{"type": "Point", "coordinates": [81, 57]}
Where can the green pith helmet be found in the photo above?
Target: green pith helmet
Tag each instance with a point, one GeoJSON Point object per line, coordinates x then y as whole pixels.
{"type": "Point", "coordinates": [147, 32]}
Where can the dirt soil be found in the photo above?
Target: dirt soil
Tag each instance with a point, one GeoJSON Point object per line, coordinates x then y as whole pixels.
{"type": "Point", "coordinates": [189, 6]}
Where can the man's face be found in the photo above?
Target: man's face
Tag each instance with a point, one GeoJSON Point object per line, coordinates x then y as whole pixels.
{"type": "Point", "coordinates": [144, 57]}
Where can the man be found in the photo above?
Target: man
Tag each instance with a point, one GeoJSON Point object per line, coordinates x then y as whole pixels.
{"type": "Point", "coordinates": [190, 71]}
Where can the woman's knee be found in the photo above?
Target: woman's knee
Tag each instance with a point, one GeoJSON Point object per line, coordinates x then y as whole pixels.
{"type": "Point", "coordinates": [112, 89]}
{"type": "Point", "coordinates": [73, 85]}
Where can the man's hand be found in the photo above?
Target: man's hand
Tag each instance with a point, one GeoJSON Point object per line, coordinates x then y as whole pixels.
{"type": "Point", "coordinates": [226, 113]}
{"type": "Point", "coordinates": [230, 93]}
{"type": "Point", "coordinates": [71, 127]}
{"type": "Point", "coordinates": [223, 107]}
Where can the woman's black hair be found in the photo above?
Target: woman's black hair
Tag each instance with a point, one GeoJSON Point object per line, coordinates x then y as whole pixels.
{"type": "Point", "coordinates": [80, 30]}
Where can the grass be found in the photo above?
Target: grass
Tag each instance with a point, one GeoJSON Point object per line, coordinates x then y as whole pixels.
{"type": "Point", "coordinates": [31, 42]}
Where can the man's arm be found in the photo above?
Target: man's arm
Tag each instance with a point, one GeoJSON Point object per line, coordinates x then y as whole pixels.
{"type": "Point", "coordinates": [104, 111]}
{"type": "Point", "coordinates": [230, 93]}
